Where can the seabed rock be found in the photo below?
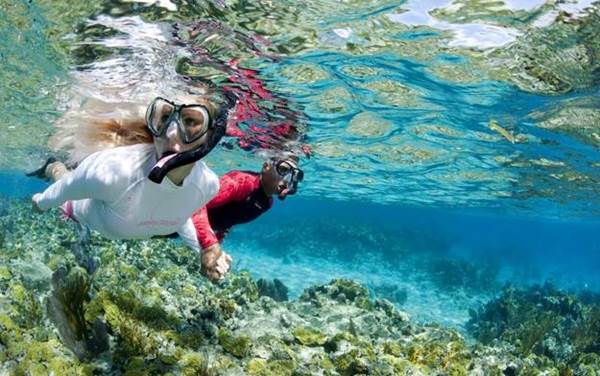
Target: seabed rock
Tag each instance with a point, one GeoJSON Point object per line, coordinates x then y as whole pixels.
{"type": "Point", "coordinates": [274, 289]}
{"type": "Point", "coordinates": [66, 310]}
{"type": "Point", "coordinates": [148, 310]}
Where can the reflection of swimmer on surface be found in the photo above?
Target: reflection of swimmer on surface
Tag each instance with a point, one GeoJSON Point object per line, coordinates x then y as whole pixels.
{"type": "Point", "coordinates": [261, 119]}
{"type": "Point", "coordinates": [122, 193]}
{"type": "Point", "coordinates": [273, 133]}
{"type": "Point", "coordinates": [244, 196]}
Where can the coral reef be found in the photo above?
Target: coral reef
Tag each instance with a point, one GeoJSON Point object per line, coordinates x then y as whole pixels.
{"type": "Point", "coordinates": [160, 316]}
{"type": "Point", "coordinates": [274, 289]}
{"type": "Point", "coordinates": [544, 321]}
{"type": "Point", "coordinates": [452, 274]}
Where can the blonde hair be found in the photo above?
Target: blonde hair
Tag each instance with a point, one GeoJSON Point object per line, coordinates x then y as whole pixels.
{"type": "Point", "coordinates": [98, 125]}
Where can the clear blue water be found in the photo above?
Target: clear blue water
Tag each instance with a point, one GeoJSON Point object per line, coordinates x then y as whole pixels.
{"type": "Point", "coordinates": [406, 172]}
{"type": "Point", "coordinates": [460, 166]}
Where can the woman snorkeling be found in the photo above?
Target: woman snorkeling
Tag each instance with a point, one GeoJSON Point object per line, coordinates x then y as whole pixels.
{"type": "Point", "coordinates": [143, 183]}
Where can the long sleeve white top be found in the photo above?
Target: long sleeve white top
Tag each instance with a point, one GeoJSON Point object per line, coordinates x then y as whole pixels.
{"type": "Point", "coordinates": [111, 193]}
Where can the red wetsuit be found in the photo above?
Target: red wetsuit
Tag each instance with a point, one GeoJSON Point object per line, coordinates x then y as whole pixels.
{"type": "Point", "coordinates": [240, 199]}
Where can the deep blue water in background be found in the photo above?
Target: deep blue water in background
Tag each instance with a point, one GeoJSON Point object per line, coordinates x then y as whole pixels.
{"type": "Point", "coordinates": [561, 250]}
{"type": "Point", "coordinates": [405, 254]}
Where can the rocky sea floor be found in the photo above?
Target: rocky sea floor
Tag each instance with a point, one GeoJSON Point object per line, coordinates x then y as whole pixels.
{"type": "Point", "coordinates": [69, 306]}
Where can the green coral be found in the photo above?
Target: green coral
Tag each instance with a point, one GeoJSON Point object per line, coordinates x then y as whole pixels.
{"type": "Point", "coordinates": [136, 337]}
{"type": "Point", "coordinates": [238, 346]}
{"type": "Point", "coordinates": [262, 367]}
{"type": "Point", "coordinates": [194, 364]}
{"type": "Point", "coordinates": [309, 336]}
{"type": "Point", "coordinates": [28, 310]}
{"type": "Point", "coordinates": [540, 320]}
{"type": "Point", "coordinates": [241, 288]}
{"type": "Point", "coordinates": [392, 348]}
{"type": "Point", "coordinates": [342, 290]}
{"type": "Point", "coordinates": [5, 274]}
{"type": "Point", "coordinates": [439, 349]}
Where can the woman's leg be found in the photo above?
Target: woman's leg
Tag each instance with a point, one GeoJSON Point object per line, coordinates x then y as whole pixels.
{"type": "Point", "coordinates": [56, 170]}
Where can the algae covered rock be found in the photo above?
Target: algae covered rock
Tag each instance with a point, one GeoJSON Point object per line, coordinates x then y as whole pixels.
{"type": "Point", "coordinates": [274, 289]}
{"type": "Point", "coordinates": [540, 320]}
{"type": "Point", "coordinates": [309, 337]}
{"type": "Point", "coordinates": [160, 316]}
{"type": "Point", "coordinates": [341, 290]}
{"type": "Point", "coordinates": [238, 346]}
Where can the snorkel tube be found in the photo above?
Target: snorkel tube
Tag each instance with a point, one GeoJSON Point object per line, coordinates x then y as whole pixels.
{"type": "Point", "coordinates": [293, 183]}
{"type": "Point", "coordinates": [292, 178]}
{"type": "Point", "coordinates": [170, 161]}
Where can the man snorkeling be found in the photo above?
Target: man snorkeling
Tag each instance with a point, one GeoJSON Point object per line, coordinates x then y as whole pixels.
{"type": "Point", "coordinates": [243, 196]}
{"type": "Point", "coordinates": [145, 188]}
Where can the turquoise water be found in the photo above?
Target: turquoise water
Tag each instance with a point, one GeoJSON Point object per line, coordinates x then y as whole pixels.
{"type": "Point", "coordinates": [387, 129]}
{"type": "Point", "coordinates": [452, 152]}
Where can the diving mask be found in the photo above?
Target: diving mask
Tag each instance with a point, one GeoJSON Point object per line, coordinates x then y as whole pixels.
{"type": "Point", "coordinates": [290, 173]}
{"type": "Point", "coordinates": [192, 120]}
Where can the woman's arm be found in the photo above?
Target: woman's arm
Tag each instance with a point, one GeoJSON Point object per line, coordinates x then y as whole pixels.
{"type": "Point", "coordinates": [91, 179]}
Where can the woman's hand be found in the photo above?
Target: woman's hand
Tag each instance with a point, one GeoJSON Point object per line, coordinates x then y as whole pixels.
{"type": "Point", "coordinates": [34, 202]}
{"type": "Point", "coordinates": [215, 262]}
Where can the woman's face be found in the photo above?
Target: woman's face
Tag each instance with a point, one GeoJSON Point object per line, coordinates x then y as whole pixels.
{"type": "Point", "coordinates": [171, 141]}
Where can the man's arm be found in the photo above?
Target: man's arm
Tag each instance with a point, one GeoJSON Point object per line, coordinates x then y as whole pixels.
{"type": "Point", "coordinates": [215, 262]}
{"type": "Point", "coordinates": [204, 233]}
{"type": "Point", "coordinates": [232, 187]}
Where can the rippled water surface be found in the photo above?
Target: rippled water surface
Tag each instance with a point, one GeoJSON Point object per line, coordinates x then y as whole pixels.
{"type": "Point", "coordinates": [409, 103]}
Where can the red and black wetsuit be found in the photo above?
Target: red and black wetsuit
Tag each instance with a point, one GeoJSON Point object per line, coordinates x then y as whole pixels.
{"type": "Point", "coordinates": [240, 199]}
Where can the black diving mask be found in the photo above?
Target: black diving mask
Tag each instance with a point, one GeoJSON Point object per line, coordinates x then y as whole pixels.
{"type": "Point", "coordinates": [290, 173]}
{"type": "Point", "coordinates": [192, 120]}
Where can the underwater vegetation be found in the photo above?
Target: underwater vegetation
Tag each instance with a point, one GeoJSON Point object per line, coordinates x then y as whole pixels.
{"type": "Point", "coordinates": [146, 310]}
{"type": "Point", "coordinates": [453, 273]}
{"type": "Point", "coordinates": [274, 289]}
{"type": "Point", "coordinates": [544, 321]}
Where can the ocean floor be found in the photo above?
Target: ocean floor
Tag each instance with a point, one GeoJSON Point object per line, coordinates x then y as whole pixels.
{"type": "Point", "coordinates": [411, 290]}
{"type": "Point", "coordinates": [81, 305]}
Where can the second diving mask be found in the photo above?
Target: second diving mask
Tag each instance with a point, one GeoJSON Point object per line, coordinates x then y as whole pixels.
{"type": "Point", "coordinates": [290, 173]}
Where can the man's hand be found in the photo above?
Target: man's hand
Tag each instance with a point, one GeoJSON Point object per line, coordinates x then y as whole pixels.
{"type": "Point", "coordinates": [215, 262]}
{"type": "Point", "coordinates": [34, 202]}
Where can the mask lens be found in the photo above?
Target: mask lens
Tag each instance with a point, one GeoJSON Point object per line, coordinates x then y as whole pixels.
{"type": "Point", "coordinates": [160, 114]}
{"type": "Point", "coordinates": [284, 168]}
{"type": "Point", "coordinates": [195, 121]}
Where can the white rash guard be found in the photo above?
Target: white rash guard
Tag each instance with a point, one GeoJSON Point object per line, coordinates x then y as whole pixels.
{"type": "Point", "coordinates": [110, 193]}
